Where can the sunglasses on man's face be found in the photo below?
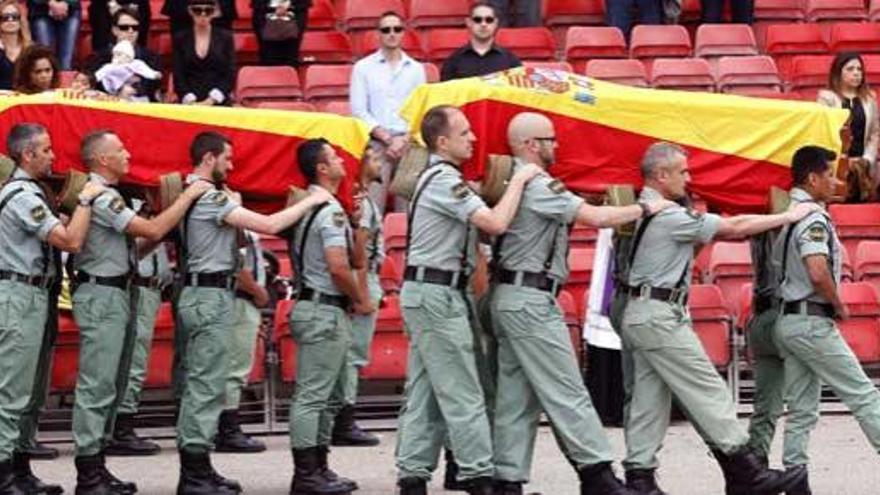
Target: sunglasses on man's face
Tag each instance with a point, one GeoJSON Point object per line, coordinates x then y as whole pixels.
{"type": "Point", "coordinates": [483, 19]}
{"type": "Point", "coordinates": [391, 29]}
{"type": "Point", "coordinates": [10, 17]}
{"type": "Point", "coordinates": [202, 11]}
{"type": "Point", "coordinates": [128, 27]}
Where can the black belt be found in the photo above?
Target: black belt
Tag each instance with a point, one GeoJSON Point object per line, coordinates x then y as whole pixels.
{"type": "Point", "coordinates": [119, 281]}
{"type": "Point", "coordinates": [40, 281]}
{"type": "Point", "coordinates": [810, 308]}
{"type": "Point", "coordinates": [217, 280]}
{"type": "Point", "coordinates": [147, 282]}
{"type": "Point", "coordinates": [240, 294]}
{"type": "Point", "coordinates": [534, 280]}
{"type": "Point", "coordinates": [676, 296]}
{"type": "Point", "coordinates": [307, 294]}
{"type": "Point", "coordinates": [435, 276]}
{"type": "Point", "coordinates": [761, 304]}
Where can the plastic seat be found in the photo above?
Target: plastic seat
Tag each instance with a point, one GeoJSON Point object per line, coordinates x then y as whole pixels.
{"type": "Point", "coordinates": [743, 74]}
{"type": "Point", "coordinates": [573, 320]}
{"type": "Point", "coordinates": [874, 10]}
{"type": "Point", "coordinates": [441, 43]}
{"type": "Point", "coordinates": [65, 361]}
{"type": "Point", "coordinates": [856, 222]}
{"type": "Point", "coordinates": [284, 341]}
{"type": "Point", "coordinates": [729, 268]}
{"type": "Point", "coordinates": [809, 74]}
{"type": "Point", "coordinates": [260, 84]}
{"type": "Point", "coordinates": [862, 329]}
{"type": "Point", "coordinates": [580, 261]}
{"type": "Point", "coordinates": [432, 72]}
{"type": "Point", "coordinates": [712, 323]}
{"type": "Point", "coordinates": [855, 37]}
{"type": "Point", "coordinates": [659, 41]}
{"type": "Point", "coordinates": [785, 41]}
{"type": "Point", "coordinates": [434, 13]}
{"type": "Point", "coordinates": [528, 43]}
{"type": "Point", "coordinates": [246, 48]}
{"type": "Point", "coordinates": [322, 16]}
{"type": "Point", "coordinates": [585, 43]}
{"type": "Point", "coordinates": [244, 16]}
{"type": "Point", "coordinates": [582, 236]}
{"type": "Point", "coordinates": [823, 10]}
{"type": "Point", "coordinates": [573, 12]}
{"type": "Point", "coordinates": [715, 40]}
{"type": "Point", "coordinates": [872, 66]}
{"type": "Point", "coordinates": [338, 107]}
{"type": "Point", "coordinates": [324, 47]}
{"type": "Point", "coordinates": [365, 15]}
{"type": "Point", "coordinates": [292, 106]}
{"type": "Point", "coordinates": [161, 357]}
{"type": "Point", "coordinates": [390, 276]}
{"type": "Point", "coordinates": [627, 71]}
{"type": "Point", "coordinates": [778, 10]}
{"type": "Point", "coordinates": [744, 306]}
{"type": "Point", "coordinates": [411, 44]}
{"type": "Point", "coordinates": [394, 229]}
{"type": "Point", "coordinates": [686, 74]}
{"type": "Point", "coordinates": [389, 350]}
{"type": "Point", "coordinates": [558, 66]}
{"type": "Point", "coordinates": [327, 82]}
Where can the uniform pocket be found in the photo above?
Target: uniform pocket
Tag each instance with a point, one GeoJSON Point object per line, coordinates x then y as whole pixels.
{"type": "Point", "coordinates": [319, 327]}
{"type": "Point", "coordinates": [411, 298]}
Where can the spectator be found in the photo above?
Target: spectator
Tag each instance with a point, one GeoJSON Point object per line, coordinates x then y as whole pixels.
{"type": "Point", "coordinates": [620, 13]}
{"type": "Point", "coordinates": [848, 88]}
{"type": "Point", "coordinates": [178, 15]}
{"type": "Point", "coordinates": [83, 81]}
{"type": "Point", "coordinates": [518, 13]}
{"type": "Point", "coordinates": [56, 24]}
{"type": "Point", "coordinates": [15, 36]}
{"type": "Point", "coordinates": [37, 70]}
{"type": "Point", "coordinates": [125, 76]}
{"type": "Point", "coordinates": [204, 58]}
{"type": "Point", "coordinates": [481, 55]}
{"type": "Point", "coordinates": [127, 26]}
{"type": "Point", "coordinates": [280, 51]}
{"type": "Point", "coordinates": [101, 14]}
{"type": "Point", "coordinates": [741, 11]}
{"type": "Point", "coordinates": [380, 84]}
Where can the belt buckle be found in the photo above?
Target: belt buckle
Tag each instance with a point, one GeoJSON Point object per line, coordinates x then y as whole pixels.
{"type": "Point", "coordinates": [644, 291]}
{"type": "Point", "coordinates": [676, 296]}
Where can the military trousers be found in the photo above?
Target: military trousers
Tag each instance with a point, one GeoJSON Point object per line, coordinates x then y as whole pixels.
{"type": "Point", "coordinates": [443, 391]}
{"type": "Point", "coordinates": [363, 327]}
{"type": "Point", "coordinates": [148, 304]}
{"type": "Point", "coordinates": [769, 370]}
{"type": "Point", "coordinates": [538, 371]}
{"type": "Point", "coordinates": [106, 343]}
{"type": "Point", "coordinates": [242, 342]}
{"type": "Point", "coordinates": [23, 312]}
{"type": "Point", "coordinates": [205, 314]}
{"type": "Point", "coordinates": [815, 353]}
{"type": "Point", "coordinates": [30, 418]}
{"type": "Point", "coordinates": [323, 337]}
{"type": "Point", "coordinates": [669, 361]}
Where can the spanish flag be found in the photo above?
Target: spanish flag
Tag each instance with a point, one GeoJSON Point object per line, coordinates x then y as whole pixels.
{"type": "Point", "coordinates": [158, 137]}
{"type": "Point", "coordinates": [738, 146]}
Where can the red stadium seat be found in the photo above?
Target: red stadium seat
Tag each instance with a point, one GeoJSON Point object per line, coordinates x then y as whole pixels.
{"type": "Point", "coordinates": [809, 74]}
{"type": "Point", "coordinates": [338, 107]}
{"type": "Point", "coordinates": [327, 82]}
{"type": "Point", "coordinates": [573, 12]}
{"type": "Point", "coordinates": [244, 16]}
{"type": "Point", "coordinates": [441, 43]}
{"type": "Point", "coordinates": [872, 66]}
{"type": "Point", "coordinates": [856, 222]}
{"type": "Point", "coordinates": [573, 320]}
{"type": "Point", "coordinates": [323, 47]}
{"type": "Point", "coordinates": [785, 41]}
{"type": "Point", "coordinates": [582, 236]}
{"type": "Point", "coordinates": [65, 361]}
{"type": "Point", "coordinates": [730, 267]}
{"type": "Point", "coordinates": [365, 15]}
{"type": "Point", "coordinates": [246, 48]}
{"type": "Point", "coordinates": [558, 66]}
{"type": "Point", "coordinates": [824, 10]}
{"type": "Point", "coordinates": [715, 40]}
{"type": "Point", "coordinates": [322, 16]}
{"type": "Point", "coordinates": [411, 44]}
{"type": "Point", "coordinates": [161, 356]}
{"type": "Point", "coordinates": [744, 306]}
{"type": "Point", "coordinates": [874, 10]}
{"type": "Point", "coordinates": [691, 11]}
{"type": "Point", "coordinates": [389, 351]}
{"type": "Point", "coordinates": [648, 41]}
{"type": "Point", "coordinates": [390, 276]}
{"type": "Point", "coordinates": [284, 341]}
{"type": "Point", "coordinates": [260, 84]}
{"type": "Point", "coordinates": [686, 74]}
{"type": "Point", "coordinates": [432, 72]}
{"type": "Point", "coordinates": [626, 71]}
{"type": "Point", "coordinates": [855, 37]}
{"type": "Point", "coordinates": [867, 263]}
{"type": "Point", "coordinates": [585, 43]}
{"type": "Point", "coordinates": [580, 261]}
{"type": "Point", "coordinates": [862, 329]}
{"type": "Point", "coordinates": [394, 229]}
{"type": "Point", "coordinates": [528, 43]}
{"type": "Point", "coordinates": [712, 323]}
{"type": "Point", "coordinates": [293, 106]}
{"type": "Point", "coordinates": [742, 75]}
{"type": "Point", "coordinates": [846, 270]}
{"type": "Point", "coordinates": [778, 10]}
{"type": "Point", "coordinates": [433, 13]}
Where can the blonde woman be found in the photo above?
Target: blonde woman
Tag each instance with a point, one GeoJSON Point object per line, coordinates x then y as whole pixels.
{"type": "Point", "coordinates": [15, 36]}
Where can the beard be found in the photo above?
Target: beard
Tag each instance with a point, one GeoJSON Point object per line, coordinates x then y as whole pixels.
{"type": "Point", "coordinates": [218, 176]}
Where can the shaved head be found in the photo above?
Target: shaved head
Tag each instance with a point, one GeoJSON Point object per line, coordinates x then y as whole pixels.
{"type": "Point", "coordinates": [532, 138]}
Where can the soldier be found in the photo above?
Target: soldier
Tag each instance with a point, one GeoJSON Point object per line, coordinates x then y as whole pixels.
{"type": "Point", "coordinates": [102, 303]}
{"type": "Point", "coordinates": [668, 359]}
{"type": "Point", "coordinates": [443, 391]}
{"type": "Point", "coordinates": [30, 234]}
{"type": "Point", "coordinates": [809, 262]}
{"type": "Point", "coordinates": [153, 272]}
{"type": "Point", "coordinates": [208, 259]}
{"type": "Point", "coordinates": [250, 296]}
{"type": "Point", "coordinates": [537, 367]}
{"type": "Point", "coordinates": [368, 236]}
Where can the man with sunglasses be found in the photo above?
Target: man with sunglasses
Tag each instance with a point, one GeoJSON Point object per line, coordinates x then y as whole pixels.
{"type": "Point", "coordinates": [380, 84]}
{"type": "Point", "coordinates": [480, 56]}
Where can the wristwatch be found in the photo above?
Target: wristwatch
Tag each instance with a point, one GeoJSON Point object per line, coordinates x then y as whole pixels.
{"type": "Point", "coordinates": [84, 201]}
{"type": "Point", "coordinates": [646, 211]}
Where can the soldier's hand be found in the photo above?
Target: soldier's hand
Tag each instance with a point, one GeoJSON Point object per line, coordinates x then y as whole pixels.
{"type": "Point", "coordinates": [841, 313]}
{"type": "Point", "coordinates": [198, 188]}
{"type": "Point", "coordinates": [529, 172]}
{"type": "Point", "coordinates": [658, 205]}
{"type": "Point", "coordinates": [801, 210]}
{"type": "Point", "coordinates": [91, 190]}
{"type": "Point", "coordinates": [319, 196]}
{"type": "Point", "coordinates": [366, 308]}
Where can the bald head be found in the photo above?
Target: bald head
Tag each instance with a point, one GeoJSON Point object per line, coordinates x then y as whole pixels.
{"type": "Point", "coordinates": [532, 138]}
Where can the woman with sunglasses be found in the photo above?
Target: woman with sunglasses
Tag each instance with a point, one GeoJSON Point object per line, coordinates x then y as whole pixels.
{"type": "Point", "coordinates": [204, 58]}
{"type": "Point", "coordinates": [56, 24]}
{"type": "Point", "coordinates": [36, 71]}
{"type": "Point", "coordinates": [101, 14]}
{"type": "Point", "coordinates": [180, 20]}
{"type": "Point", "coordinates": [280, 52]}
{"type": "Point", "coordinates": [127, 26]}
{"type": "Point", "coordinates": [15, 36]}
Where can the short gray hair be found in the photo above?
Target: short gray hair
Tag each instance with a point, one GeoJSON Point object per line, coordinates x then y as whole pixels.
{"type": "Point", "coordinates": [660, 154]}
{"type": "Point", "coordinates": [88, 149]}
{"type": "Point", "coordinates": [21, 138]}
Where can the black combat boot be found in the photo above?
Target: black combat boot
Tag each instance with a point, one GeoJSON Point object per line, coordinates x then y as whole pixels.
{"type": "Point", "coordinates": [27, 481]}
{"type": "Point", "coordinates": [508, 487]}
{"type": "Point", "coordinates": [413, 486]}
{"type": "Point", "coordinates": [599, 479]}
{"type": "Point", "coordinates": [480, 486]}
{"type": "Point", "coordinates": [744, 474]}
{"type": "Point", "coordinates": [124, 487]}
{"type": "Point", "coordinates": [42, 452]}
{"type": "Point", "coordinates": [642, 481]}
{"type": "Point", "coordinates": [329, 474]}
{"type": "Point", "coordinates": [90, 478]}
{"type": "Point", "coordinates": [230, 438]}
{"type": "Point", "coordinates": [450, 477]}
{"type": "Point", "coordinates": [197, 476]}
{"type": "Point", "coordinates": [308, 478]}
{"type": "Point", "coordinates": [347, 432]}
{"type": "Point", "coordinates": [126, 442]}
{"type": "Point", "coordinates": [7, 480]}
{"type": "Point", "coordinates": [803, 487]}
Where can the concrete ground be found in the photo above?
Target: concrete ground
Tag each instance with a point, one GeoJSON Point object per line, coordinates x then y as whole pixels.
{"type": "Point", "coordinates": [843, 463]}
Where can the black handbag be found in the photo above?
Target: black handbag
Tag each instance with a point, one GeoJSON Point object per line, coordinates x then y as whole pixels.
{"type": "Point", "coordinates": [280, 28]}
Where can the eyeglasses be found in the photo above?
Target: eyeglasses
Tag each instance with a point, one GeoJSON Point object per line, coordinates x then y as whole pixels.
{"type": "Point", "coordinates": [551, 139]}
{"type": "Point", "coordinates": [128, 27]}
{"type": "Point", "coordinates": [202, 11]}
{"type": "Point", "coordinates": [483, 20]}
{"type": "Point", "coordinates": [10, 17]}
{"type": "Point", "coordinates": [391, 29]}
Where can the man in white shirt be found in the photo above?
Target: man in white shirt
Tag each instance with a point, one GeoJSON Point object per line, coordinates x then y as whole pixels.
{"type": "Point", "coordinates": [380, 84]}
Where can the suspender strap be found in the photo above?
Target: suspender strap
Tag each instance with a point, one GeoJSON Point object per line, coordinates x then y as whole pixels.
{"type": "Point", "coordinates": [45, 248]}
{"type": "Point", "coordinates": [638, 239]}
{"type": "Point", "coordinates": [300, 266]}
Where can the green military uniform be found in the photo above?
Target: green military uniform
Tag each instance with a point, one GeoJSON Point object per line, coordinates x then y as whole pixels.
{"type": "Point", "coordinates": [443, 389]}
{"type": "Point", "coordinates": [537, 367]}
{"type": "Point", "coordinates": [810, 342]}
{"type": "Point", "coordinates": [668, 358]}
{"type": "Point", "coordinates": [26, 270]}
{"type": "Point", "coordinates": [320, 325]}
{"type": "Point", "coordinates": [204, 311]}
{"type": "Point", "coordinates": [246, 324]}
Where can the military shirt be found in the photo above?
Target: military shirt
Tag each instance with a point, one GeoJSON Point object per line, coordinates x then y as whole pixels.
{"type": "Point", "coordinates": [813, 235]}
{"type": "Point", "coordinates": [545, 211]}
{"type": "Point", "coordinates": [211, 243]}
{"type": "Point", "coordinates": [666, 249]}
{"type": "Point", "coordinates": [330, 228]}
{"type": "Point", "coordinates": [252, 257]}
{"type": "Point", "coordinates": [440, 224]}
{"type": "Point", "coordinates": [156, 264]}
{"type": "Point", "coordinates": [371, 220]}
{"type": "Point", "coordinates": [25, 223]}
{"type": "Point", "coordinates": [107, 250]}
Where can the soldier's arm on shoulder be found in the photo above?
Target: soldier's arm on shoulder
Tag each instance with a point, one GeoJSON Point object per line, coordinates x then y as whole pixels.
{"type": "Point", "coordinates": [549, 198]}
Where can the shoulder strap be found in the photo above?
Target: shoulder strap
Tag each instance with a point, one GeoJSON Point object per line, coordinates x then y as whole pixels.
{"type": "Point", "coordinates": [182, 239]}
{"type": "Point", "coordinates": [638, 239]}
{"type": "Point", "coordinates": [414, 204]}
{"type": "Point", "coordinates": [302, 244]}
{"type": "Point", "coordinates": [9, 197]}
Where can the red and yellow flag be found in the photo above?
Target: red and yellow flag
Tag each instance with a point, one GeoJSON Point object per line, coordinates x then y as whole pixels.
{"type": "Point", "coordinates": [738, 146]}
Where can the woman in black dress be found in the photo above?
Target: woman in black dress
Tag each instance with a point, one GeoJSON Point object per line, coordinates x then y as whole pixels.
{"type": "Point", "coordinates": [204, 58]}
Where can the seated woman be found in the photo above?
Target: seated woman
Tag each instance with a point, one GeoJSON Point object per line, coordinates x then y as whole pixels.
{"type": "Point", "coordinates": [126, 27]}
{"type": "Point", "coordinates": [55, 23]}
{"type": "Point", "coordinates": [36, 71]}
{"type": "Point", "coordinates": [204, 58]}
{"type": "Point", "coordinates": [15, 36]}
